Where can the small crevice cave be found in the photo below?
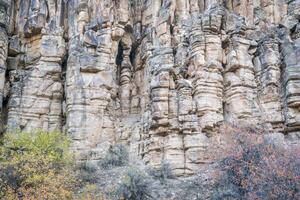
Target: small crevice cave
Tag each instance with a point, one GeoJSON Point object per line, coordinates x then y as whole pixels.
{"type": "Point", "coordinates": [119, 57]}
{"type": "Point", "coordinates": [63, 79]}
{"type": "Point", "coordinates": [119, 60]}
{"type": "Point", "coordinates": [132, 55]}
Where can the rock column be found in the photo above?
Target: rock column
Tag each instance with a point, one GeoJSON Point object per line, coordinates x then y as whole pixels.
{"type": "Point", "coordinates": [35, 102]}
{"type": "Point", "coordinates": [206, 58]}
{"type": "Point", "coordinates": [4, 24]}
{"type": "Point", "coordinates": [268, 70]}
{"type": "Point", "coordinates": [240, 84]}
{"type": "Point", "coordinates": [35, 65]}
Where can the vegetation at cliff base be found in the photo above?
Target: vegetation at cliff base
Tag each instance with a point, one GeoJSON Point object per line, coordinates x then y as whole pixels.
{"type": "Point", "coordinates": [135, 185]}
{"type": "Point", "coordinates": [257, 169]}
{"type": "Point", "coordinates": [116, 156]}
{"type": "Point", "coordinates": [36, 165]}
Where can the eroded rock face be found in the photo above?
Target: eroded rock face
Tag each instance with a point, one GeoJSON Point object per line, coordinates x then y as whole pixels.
{"type": "Point", "coordinates": [160, 76]}
{"type": "Point", "coordinates": [4, 24]}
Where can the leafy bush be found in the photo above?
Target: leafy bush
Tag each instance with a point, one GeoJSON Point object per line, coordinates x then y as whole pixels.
{"type": "Point", "coordinates": [117, 155]}
{"type": "Point", "coordinates": [135, 186]}
{"type": "Point", "coordinates": [256, 170]}
{"type": "Point", "coordinates": [36, 165]}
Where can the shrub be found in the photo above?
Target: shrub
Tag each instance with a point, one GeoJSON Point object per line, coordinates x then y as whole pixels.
{"type": "Point", "coordinates": [117, 155]}
{"type": "Point", "coordinates": [163, 173]}
{"type": "Point", "coordinates": [135, 186]}
{"type": "Point", "coordinates": [256, 170]}
{"type": "Point", "coordinates": [87, 176]}
{"type": "Point", "coordinates": [36, 165]}
{"type": "Point", "coordinates": [90, 192]}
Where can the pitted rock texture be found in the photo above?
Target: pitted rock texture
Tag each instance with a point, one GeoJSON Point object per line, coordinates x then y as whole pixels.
{"type": "Point", "coordinates": [159, 75]}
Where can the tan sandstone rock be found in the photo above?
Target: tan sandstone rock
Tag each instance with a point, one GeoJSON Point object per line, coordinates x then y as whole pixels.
{"type": "Point", "coordinates": [159, 76]}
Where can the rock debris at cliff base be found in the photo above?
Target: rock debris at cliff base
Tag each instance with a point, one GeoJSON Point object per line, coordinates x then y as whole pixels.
{"type": "Point", "coordinates": [160, 76]}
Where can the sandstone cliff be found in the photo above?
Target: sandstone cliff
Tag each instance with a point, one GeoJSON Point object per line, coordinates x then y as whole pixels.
{"type": "Point", "coordinates": [159, 75]}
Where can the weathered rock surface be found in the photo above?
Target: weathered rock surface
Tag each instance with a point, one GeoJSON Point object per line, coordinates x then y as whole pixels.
{"type": "Point", "coordinates": [160, 76]}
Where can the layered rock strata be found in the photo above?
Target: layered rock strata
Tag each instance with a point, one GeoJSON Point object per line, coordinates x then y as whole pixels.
{"type": "Point", "coordinates": [35, 71]}
{"type": "Point", "coordinates": [159, 76]}
{"type": "Point", "coordinates": [4, 24]}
